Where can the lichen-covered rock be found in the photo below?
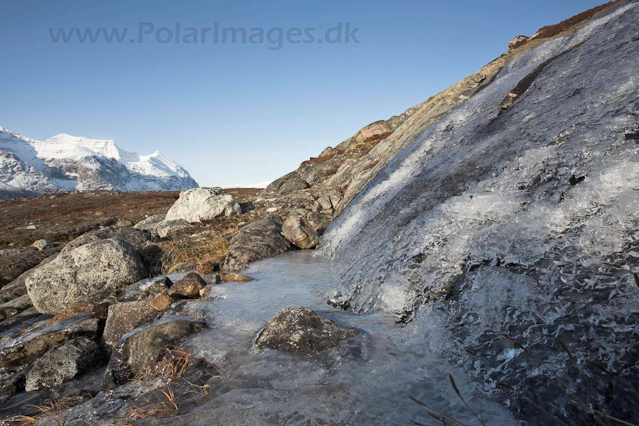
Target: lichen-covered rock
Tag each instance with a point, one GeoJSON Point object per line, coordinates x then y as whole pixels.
{"type": "Point", "coordinates": [62, 364]}
{"type": "Point", "coordinates": [300, 330]}
{"type": "Point", "coordinates": [27, 348]}
{"type": "Point", "coordinates": [188, 287]}
{"type": "Point", "coordinates": [87, 273]}
{"type": "Point", "coordinates": [124, 317]}
{"type": "Point", "coordinates": [173, 228]}
{"type": "Point", "coordinates": [17, 288]}
{"type": "Point", "coordinates": [256, 241]}
{"type": "Point", "coordinates": [138, 238]}
{"type": "Point", "coordinates": [298, 231]}
{"type": "Point", "coordinates": [198, 204]}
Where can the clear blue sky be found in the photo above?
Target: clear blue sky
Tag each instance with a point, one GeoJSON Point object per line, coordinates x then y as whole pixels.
{"type": "Point", "coordinates": [244, 113]}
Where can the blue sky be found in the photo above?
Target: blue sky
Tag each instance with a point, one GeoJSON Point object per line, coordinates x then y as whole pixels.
{"type": "Point", "coordinates": [244, 113]}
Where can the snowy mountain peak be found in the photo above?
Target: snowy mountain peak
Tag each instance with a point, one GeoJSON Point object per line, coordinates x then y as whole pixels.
{"type": "Point", "coordinates": [66, 162]}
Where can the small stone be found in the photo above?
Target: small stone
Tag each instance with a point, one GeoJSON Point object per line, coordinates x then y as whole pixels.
{"type": "Point", "coordinates": [42, 245]}
{"type": "Point", "coordinates": [231, 277]}
{"type": "Point", "coordinates": [124, 222]}
{"type": "Point", "coordinates": [173, 228]}
{"type": "Point", "coordinates": [188, 287]}
{"type": "Point", "coordinates": [271, 210]}
{"type": "Point", "coordinates": [124, 317]}
{"type": "Point", "coordinates": [31, 227]}
{"type": "Point", "coordinates": [160, 302]}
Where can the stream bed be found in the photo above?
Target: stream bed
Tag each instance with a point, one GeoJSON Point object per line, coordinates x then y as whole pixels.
{"type": "Point", "coordinates": [368, 379]}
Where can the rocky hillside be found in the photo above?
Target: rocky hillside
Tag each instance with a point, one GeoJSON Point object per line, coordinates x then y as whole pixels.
{"type": "Point", "coordinates": [489, 232]}
{"type": "Point", "coordinates": [68, 163]}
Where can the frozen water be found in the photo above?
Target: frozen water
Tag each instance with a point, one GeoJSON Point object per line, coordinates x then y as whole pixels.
{"type": "Point", "coordinates": [366, 380]}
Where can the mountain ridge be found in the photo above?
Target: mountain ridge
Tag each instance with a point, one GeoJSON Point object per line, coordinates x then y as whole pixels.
{"type": "Point", "coordinates": [66, 163]}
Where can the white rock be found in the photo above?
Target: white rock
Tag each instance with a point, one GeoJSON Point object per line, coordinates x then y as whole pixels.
{"type": "Point", "coordinates": [196, 205]}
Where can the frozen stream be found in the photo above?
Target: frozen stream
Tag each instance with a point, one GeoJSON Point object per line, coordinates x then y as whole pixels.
{"type": "Point", "coordinates": [365, 380]}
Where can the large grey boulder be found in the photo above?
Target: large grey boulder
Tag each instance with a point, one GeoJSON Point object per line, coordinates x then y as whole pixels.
{"type": "Point", "coordinates": [256, 241]}
{"type": "Point", "coordinates": [62, 364]}
{"type": "Point", "coordinates": [299, 232]}
{"type": "Point", "coordinates": [300, 330]}
{"type": "Point", "coordinates": [196, 205]}
{"type": "Point", "coordinates": [87, 273]}
{"type": "Point", "coordinates": [138, 238]}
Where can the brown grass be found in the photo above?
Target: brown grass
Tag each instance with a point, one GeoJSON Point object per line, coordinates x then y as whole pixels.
{"type": "Point", "coordinates": [201, 252]}
{"type": "Point", "coordinates": [167, 406]}
{"type": "Point", "coordinates": [322, 160]}
{"type": "Point", "coordinates": [553, 30]}
{"type": "Point", "coordinates": [52, 410]}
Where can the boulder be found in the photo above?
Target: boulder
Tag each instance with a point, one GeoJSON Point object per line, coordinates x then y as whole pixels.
{"type": "Point", "coordinates": [138, 238]}
{"type": "Point", "coordinates": [188, 287]}
{"type": "Point", "coordinates": [198, 204]}
{"type": "Point", "coordinates": [124, 317]}
{"type": "Point", "coordinates": [258, 240]}
{"type": "Point", "coordinates": [277, 183]}
{"type": "Point", "coordinates": [150, 223]}
{"type": "Point", "coordinates": [172, 228]}
{"type": "Point", "coordinates": [292, 185]}
{"type": "Point", "coordinates": [87, 273]}
{"type": "Point", "coordinates": [42, 245]}
{"type": "Point", "coordinates": [300, 330]}
{"type": "Point", "coordinates": [62, 364]}
{"type": "Point", "coordinates": [29, 347]}
{"type": "Point", "coordinates": [298, 231]}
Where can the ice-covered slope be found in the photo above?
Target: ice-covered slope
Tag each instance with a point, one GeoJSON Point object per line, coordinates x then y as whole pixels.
{"type": "Point", "coordinates": [66, 162]}
{"type": "Point", "coordinates": [514, 219]}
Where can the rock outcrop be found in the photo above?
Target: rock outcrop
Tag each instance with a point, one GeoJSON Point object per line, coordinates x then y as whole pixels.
{"type": "Point", "coordinates": [256, 241]}
{"type": "Point", "coordinates": [87, 273]}
{"type": "Point", "coordinates": [196, 205]}
{"type": "Point", "coordinates": [300, 330]}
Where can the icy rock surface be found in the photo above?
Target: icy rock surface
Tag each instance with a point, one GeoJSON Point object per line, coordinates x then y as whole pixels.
{"type": "Point", "coordinates": [526, 222]}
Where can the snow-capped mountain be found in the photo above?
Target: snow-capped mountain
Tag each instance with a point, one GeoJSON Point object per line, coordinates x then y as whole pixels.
{"type": "Point", "coordinates": [67, 163]}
